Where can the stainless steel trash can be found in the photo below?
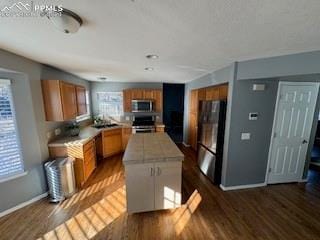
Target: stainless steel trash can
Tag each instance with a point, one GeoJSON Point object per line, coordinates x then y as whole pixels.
{"type": "Point", "coordinates": [60, 177]}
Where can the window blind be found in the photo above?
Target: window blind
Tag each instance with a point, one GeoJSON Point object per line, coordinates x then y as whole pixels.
{"type": "Point", "coordinates": [10, 152]}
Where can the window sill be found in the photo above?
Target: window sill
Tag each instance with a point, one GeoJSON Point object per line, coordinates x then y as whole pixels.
{"type": "Point", "coordinates": [13, 177]}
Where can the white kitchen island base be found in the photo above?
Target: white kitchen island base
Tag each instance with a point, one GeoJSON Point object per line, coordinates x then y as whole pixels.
{"type": "Point", "coordinates": [153, 169]}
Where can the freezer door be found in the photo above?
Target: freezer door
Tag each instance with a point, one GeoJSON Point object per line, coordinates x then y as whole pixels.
{"type": "Point", "coordinates": [209, 125]}
{"type": "Point", "coordinates": [207, 162]}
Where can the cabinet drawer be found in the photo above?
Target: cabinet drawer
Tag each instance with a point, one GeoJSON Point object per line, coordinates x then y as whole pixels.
{"type": "Point", "coordinates": [88, 146]}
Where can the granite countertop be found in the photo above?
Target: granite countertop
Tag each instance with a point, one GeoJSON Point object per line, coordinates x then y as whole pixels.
{"type": "Point", "coordinates": [86, 134]}
{"type": "Point", "coordinates": [151, 147]}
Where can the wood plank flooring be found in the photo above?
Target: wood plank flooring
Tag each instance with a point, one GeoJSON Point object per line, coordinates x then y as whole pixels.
{"type": "Point", "coordinates": [289, 211]}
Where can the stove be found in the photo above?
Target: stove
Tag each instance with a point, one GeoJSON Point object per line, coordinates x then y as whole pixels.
{"type": "Point", "coordinates": [143, 124]}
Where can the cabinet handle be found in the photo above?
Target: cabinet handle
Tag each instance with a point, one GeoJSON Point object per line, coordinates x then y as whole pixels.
{"type": "Point", "coordinates": [151, 172]}
{"type": "Point", "coordinates": [159, 171]}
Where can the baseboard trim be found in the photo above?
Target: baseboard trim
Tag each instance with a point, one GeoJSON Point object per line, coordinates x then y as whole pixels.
{"type": "Point", "coordinates": [186, 145]}
{"type": "Point", "coordinates": [242, 186]}
{"type": "Point", "coordinates": [304, 180]}
{"type": "Point", "coordinates": [21, 205]}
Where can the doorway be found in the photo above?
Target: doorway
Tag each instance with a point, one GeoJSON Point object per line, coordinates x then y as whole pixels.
{"type": "Point", "coordinates": [293, 119]}
{"type": "Point", "coordinates": [173, 107]}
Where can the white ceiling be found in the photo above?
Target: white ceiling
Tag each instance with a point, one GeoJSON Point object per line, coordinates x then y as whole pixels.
{"type": "Point", "coordinates": [192, 37]}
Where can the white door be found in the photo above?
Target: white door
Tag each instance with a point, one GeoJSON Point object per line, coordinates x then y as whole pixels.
{"type": "Point", "coordinates": [140, 187]}
{"type": "Point", "coordinates": [295, 109]}
{"type": "Point", "coordinates": [167, 185]}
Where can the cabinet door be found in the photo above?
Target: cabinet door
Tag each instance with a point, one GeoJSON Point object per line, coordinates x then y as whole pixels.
{"type": "Point", "coordinates": [137, 93]}
{"type": "Point", "coordinates": [69, 101]}
{"type": "Point", "coordinates": [112, 142]}
{"type": "Point", "coordinates": [126, 134]}
{"type": "Point", "coordinates": [140, 187]}
{"type": "Point", "coordinates": [127, 96]}
{"type": "Point", "coordinates": [157, 94]}
{"type": "Point", "coordinates": [81, 100]}
{"type": "Point", "coordinates": [148, 94]}
{"type": "Point", "coordinates": [193, 101]}
{"type": "Point", "coordinates": [193, 130]}
{"type": "Point", "coordinates": [223, 92]}
{"type": "Point", "coordinates": [167, 185]}
{"type": "Point", "coordinates": [212, 93]}
{"type": "Point", "coordinates": [89, 158]}
{"type": "Point", "coordinates": [202, 94]}
{"type": "Point", "coordinates": [52, 100]}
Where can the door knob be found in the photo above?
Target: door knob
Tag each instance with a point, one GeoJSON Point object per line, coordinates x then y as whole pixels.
{"type": "Point", "coordinates": [304, 141]}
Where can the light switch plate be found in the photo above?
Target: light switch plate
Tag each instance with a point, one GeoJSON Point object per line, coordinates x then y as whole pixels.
{"type": "Point", "coordinates": [245, 136]}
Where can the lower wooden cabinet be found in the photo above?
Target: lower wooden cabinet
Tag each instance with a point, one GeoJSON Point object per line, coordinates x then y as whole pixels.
{"type": "Point", "coordinates": [112, 142]}
{"type": "Point", "coordinates": [153, 186]}
{"type": "Point", "coordinates": [160, 128]}
{"type": "Point", "coordinates": [126, 134]}
{"type": "Point", "coordinates": [193, 130]}
{"type": "Point", "coordinates": [85, 159]}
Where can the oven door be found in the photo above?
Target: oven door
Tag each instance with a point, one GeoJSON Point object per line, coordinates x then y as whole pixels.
{"type": "Point", "coordinates": [142, 105]}
{"type": "Point", "coordinates": [143, 130]}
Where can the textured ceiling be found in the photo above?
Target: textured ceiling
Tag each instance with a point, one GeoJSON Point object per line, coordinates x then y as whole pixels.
{"type": "Point", "coordinates": [192, 37]}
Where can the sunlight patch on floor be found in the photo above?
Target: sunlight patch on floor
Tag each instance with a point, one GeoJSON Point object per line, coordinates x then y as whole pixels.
{"type": "Point", "coordinates": [182, 215]}
{"type": "Point", "coordinates": [88, 223]}
{"type": "Point", "coordinates": [90, 190]}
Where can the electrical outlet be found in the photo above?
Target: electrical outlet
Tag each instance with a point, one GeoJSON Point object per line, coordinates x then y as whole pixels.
{"type": "Point", "coordinates": [57, 131]}
{"type": "Point", "coordinates": [245, 136]}
{"type": "Point", "coordinates": [49, 135]}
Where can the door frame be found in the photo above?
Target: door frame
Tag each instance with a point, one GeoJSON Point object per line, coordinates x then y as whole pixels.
{"type": "Point", "coordinates": [280, 84]}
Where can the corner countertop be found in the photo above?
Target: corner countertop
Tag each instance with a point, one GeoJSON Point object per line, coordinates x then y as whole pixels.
{"type": "Point", "coordinates": [86, 134]}
{"type": "Point", "coordinates": [151, 147]}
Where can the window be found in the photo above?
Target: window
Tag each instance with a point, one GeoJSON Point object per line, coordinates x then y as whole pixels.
{"type": "Point", "coordinates": [110, 104]}
{"type": "Point", "coordinates": [10, 154]}
{"type": "Point", "coordinates": [87, 115]}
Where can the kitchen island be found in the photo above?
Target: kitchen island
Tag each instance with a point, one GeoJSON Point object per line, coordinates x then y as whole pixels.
{"type": "Point", "coordinates": [153, 166]}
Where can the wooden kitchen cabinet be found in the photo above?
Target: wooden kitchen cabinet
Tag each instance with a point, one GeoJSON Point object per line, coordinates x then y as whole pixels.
{"type": "Point", "coordinates": [193, 130]}
{"type": "Point", "coordinates": [193, 101]}
{"type": "Point", "coordinates": [81, 100]}
{"type": "Point", "coordinates": [160, 128]}
{"type": "Point", "coordinates": [223, 92]}
{"type": "Point", "coordinates": [148, 94]}
{"type": "Point", "coordinates": [85, 159]}
{"type": "Point", "coordinates": [137, 93]}
{"type": "Point", "coordinates": [143, 94]}
{"type": "Point", "coordinates": [126, 134]}
{"type": "Point", "coordinates": [127, 97]}
{"type": "Point", "coordinates": [112, 142]}
{"type": "Point", "coordinates": [158, 100]}
{"type": "Point", "coordinates": [212, 93]}
{"type": "Point", "coordinates": [60, 100]}
{"type": "Point", "coordinates": [153, 186]}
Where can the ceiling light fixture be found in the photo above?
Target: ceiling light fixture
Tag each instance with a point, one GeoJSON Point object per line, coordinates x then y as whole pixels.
{"type": "Point", "coordinates": [67, 22]}
{"type": "Point", "coordinates": [149, 69]}
{"type": "Point", "coordinates": [152, 56]}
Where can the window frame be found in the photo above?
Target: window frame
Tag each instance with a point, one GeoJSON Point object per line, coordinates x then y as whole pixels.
{"type": "Point", "coordinates": [23, 172]}
{"type": "Point", "coordinates": [121, 103]}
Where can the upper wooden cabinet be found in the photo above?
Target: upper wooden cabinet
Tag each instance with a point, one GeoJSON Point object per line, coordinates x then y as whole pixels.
{"type": "Point", "coordinates": [61, 100]}
{"type": "Point", "coordinates": [212, 93]}
{"type": "Point", "coordinates": [150, 94]}
{"type": "Point", "coordinates": [193, 105]}
{"type": "Point", "coordinates": [81, 100]}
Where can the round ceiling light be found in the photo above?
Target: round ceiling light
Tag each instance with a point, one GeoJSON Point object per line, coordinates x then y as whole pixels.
{"type": "Point", "coordinates": [67, 22]}
{"type": "Point", "coordinates": [149, 69]}
{"type": "Point", "coordinates": [152, 56]}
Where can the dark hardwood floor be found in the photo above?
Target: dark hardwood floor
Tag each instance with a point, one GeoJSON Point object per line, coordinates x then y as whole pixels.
{"type": "Point", "coordinates": [288, 211]}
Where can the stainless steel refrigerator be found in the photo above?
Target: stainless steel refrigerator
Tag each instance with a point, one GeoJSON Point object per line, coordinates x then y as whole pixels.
{"type": "Point", "coordinates": [211, 126]}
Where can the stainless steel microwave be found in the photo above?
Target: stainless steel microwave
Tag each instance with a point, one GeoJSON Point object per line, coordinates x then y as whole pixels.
{"type": "Point", "coordinates": [142, 105]}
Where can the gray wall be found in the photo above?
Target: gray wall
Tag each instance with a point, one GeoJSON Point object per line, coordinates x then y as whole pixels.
{"type": "Point", "coordinates": [26, 86]}
{"type": "Point", "coordinates": [247, 160]}
{"type": "Point", "coordinates": [117, 87]}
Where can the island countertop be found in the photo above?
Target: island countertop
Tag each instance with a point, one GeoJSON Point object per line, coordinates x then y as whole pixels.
{"type": "Point", "coordinates": [151, 147]}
